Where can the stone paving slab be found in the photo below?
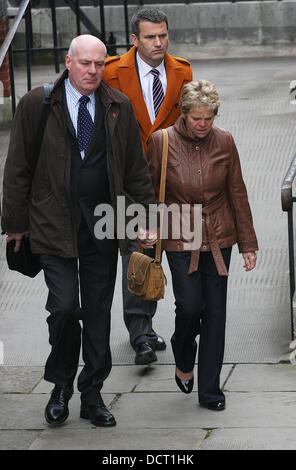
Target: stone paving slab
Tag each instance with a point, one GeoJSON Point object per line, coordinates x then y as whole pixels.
{"type": "Point", "coordinates": [27, 411]}
{"type": "Point", "coordinates": [162, 379]}
{"type": "Point", "coordinates": [17, 440]}
{"type": "Point", "coordinates": [176, 410]}
{"type": "Point", "coordinates": [251, 439]}
{"type": "Point", "coordinates": [19, 379]}
{"type": "Point", "coordinates": [262, 377]}
{"type": "Point", "coordinates": [153, 378]}
{"type": "Point", "coordinates": [119, 439]}
{"type": "Point", "coordinates": [121, 379]}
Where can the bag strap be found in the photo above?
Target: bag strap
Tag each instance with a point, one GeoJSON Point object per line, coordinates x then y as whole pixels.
{"type": "Point", "coordinates": [161, 198]}
{"type": "Point", "coordinates": [45, 113]}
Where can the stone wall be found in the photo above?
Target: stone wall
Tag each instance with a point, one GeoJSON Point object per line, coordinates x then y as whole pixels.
{"type": "Point", "coordinates": [252, 23]}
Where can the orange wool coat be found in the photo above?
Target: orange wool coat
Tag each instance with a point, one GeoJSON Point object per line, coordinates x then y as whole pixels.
{"type": "Point", "coordinates": [121, 73]}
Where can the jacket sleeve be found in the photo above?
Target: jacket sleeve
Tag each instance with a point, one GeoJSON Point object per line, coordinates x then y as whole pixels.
{"type": "Point", "coordinates": [238, 198]}
{"type": "Point", "coordinates": [111, 72]}
{"type": "Point", "coordinates": [154, 152]}
{"type": "Point", "coordinates": [137, 179]}
{"type": "Point", "coordinates": [17, 177]}
{"type": "Point", "coordinates": [190, 78]}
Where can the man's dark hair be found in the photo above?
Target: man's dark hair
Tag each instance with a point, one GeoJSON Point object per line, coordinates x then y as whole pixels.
{"type": "Point", "coordinates": [147, 14]}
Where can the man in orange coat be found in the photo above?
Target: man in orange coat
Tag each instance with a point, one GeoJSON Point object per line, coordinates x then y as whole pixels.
{"type": "Point", "coordinates": [129, 72]}
{"type": "Point", "coordinates": [153, 80]}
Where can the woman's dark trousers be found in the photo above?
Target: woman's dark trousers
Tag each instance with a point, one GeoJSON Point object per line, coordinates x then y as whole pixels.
{"type": "Point", "coordinates": [200, 300]}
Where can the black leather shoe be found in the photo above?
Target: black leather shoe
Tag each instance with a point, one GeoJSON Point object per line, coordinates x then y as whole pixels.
{"type": "Point", "coordinates": [157, 343]}
{"type": "Point", "coordinates": [56, 411]}
{"type": "Point", "coordinates": [185, 386]}
{"type": "Point", "coordinates": [214, 405]}
{"type": "Point", "coordinates": [98, 414]}
{"type": "Point", "coordinates": [144, 354]}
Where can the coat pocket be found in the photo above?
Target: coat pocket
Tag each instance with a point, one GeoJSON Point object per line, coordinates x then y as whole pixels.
{"type": "Point", "coordinates": [39, 198]}
{"type": "Point", "coordinates": [223, 220]}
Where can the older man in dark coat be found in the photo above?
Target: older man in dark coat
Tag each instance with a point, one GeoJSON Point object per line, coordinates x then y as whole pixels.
{"type": "Point", "coordinates": [91, 153]}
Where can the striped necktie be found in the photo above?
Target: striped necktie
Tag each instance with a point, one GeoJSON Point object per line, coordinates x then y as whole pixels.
{"type": "Point", "coordinates": [84, 123]}
{"type": "Point", "coordinates": [157, 91]}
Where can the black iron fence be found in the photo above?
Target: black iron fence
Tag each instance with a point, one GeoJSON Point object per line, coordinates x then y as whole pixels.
{"type": "Point", "coordinates": [25, 11]}
{"type": "Point", "coordinates": [288, 200]}
{"type": "Point", "coordinates": [6, 46]}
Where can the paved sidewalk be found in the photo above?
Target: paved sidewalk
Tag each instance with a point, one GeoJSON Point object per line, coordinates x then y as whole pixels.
{"type": "Point", "coordinates": [153, 415]}
{"type": "Point", "coordinates": [258, 380]}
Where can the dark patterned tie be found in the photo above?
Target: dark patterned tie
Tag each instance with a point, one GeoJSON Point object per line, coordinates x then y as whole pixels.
{"type": "Point", "coordinates": [84, 124]}
{"type": "Point", "coordinates": [157, 91]}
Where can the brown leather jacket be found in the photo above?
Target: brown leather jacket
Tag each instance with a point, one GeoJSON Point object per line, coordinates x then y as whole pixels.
{"type": "Point", "coordinates": [205, 171]}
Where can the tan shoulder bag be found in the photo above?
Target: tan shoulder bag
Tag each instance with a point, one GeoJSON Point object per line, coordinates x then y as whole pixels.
{"type": "Point", "coordinates": [145, 275]}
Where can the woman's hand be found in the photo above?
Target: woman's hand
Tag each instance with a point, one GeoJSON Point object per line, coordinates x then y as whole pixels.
{"type": "Point", "coordinates": [250, 260]}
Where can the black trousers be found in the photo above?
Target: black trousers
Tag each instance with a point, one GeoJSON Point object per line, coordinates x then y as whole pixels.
{"type": "Point", "coordinates": [137, 313]}
{"type": "Point", "coordinates": [200, 300]}
{"type": "Point", "coordinates": [90, 279]}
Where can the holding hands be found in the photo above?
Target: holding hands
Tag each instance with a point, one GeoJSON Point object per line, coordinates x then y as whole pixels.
{"type": "Point", "coordinates": [147, 238]}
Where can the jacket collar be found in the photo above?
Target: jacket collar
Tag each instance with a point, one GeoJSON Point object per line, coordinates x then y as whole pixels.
{"type": "Point", "coordinates": [128, 60]}
{"type": "Point", "coordinates": [180, 127]}
{"type": "Point", "coordinates": [107, 94]}
{"type": "Point", "coordinates": [130, 85]}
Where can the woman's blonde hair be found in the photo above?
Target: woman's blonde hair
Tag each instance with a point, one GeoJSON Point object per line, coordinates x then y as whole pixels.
{"type": "Point", "coordinates": [199, 93]}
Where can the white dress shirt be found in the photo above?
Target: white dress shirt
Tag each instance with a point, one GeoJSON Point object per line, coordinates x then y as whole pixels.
{"type": "Point", "coordinates": [73, 96]}
{"type": "Point", "coordinates": [146, 80]}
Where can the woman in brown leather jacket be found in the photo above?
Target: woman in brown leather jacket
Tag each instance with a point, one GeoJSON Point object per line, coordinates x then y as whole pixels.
{"type": "Point", "coordinates": [203, 168]}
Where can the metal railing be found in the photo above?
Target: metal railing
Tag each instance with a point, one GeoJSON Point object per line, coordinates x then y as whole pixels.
{"type": "Point", "coordinates": [25, 11]}
{"type": "Point", "coordinates": [287, 200]}
{"type": "Point", "coordinates": [6, 46]}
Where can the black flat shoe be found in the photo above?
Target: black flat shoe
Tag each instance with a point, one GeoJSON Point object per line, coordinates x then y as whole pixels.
{"type": "Point", "coordinates": [144, 354]}
{"type": "Point", "coordinates": [214, 405]}
{"type": "Point", "coordinates": [185, 386]}
{"type": "Point", "coordinates": [57, 411]}
{"type": "Point", "coordinates": [97, 414]}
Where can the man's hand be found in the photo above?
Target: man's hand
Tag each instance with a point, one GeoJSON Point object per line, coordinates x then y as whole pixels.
{"type": "Point", "coordinates": [250, 260]}
{"type": "Point", "coordinates": [147, 238]}
{"type": "Point", "coordinates": [17, 237]}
